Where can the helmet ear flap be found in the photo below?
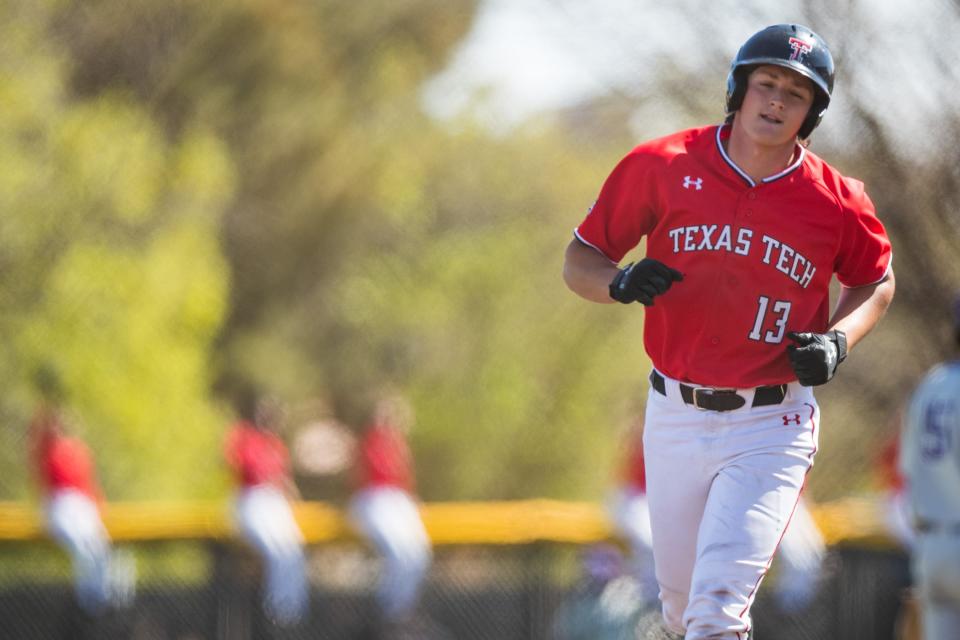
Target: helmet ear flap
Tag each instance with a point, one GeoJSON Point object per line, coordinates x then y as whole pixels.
{"type": "Point", "coordinates": [817, 109]}
{"type": "Point", "coordinates": [811, 122]}
{"type": "Point", "coordinates": [737, 87]}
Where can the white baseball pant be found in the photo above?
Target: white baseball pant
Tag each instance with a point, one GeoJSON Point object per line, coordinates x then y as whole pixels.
{"type": "Point", "coordinates": [722, 487]}
{"type": "Point", "coordinates": [266, 521]}
{"type": "Point", "coordinates": [896, 517]}
{"type": "Point", "coordinates": [936, 567]}
{"type": "Point", "coordinates": [73, 520]}
{"type": "Point", "coordinates": [389, 517]}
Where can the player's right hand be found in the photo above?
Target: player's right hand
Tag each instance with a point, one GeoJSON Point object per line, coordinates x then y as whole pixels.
{"type": "Point", "coordinates": [643, 281]}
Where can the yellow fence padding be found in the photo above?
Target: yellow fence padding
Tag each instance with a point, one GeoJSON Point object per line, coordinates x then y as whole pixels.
{"type": "Point", "coordinates": [856, 520]}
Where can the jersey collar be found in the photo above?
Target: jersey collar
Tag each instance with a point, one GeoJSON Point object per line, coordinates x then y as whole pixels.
{"type": "Point", "coordinates": [750, 181]}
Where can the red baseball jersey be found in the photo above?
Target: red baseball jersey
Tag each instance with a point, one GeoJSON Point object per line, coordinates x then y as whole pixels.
{"type": "Point", "coordinates": [65, 463]}
{"type": "Point", "coordinates": [256, 456]}
{"type": "Point", "coordinates": [757, 258]}
{"type": "Point", "coordinates": [384, 459]}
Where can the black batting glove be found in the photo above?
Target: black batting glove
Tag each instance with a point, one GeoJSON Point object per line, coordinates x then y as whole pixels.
{"type": "Point", "coordinates": [643, 281]}
{"type": "Point", "coordinates": [816, 356]}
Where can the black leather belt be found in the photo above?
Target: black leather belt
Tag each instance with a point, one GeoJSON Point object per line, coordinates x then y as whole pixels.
{"type": "Point", "coordinates": [721, 399]}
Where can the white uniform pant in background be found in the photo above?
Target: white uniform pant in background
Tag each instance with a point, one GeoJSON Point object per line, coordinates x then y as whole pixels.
{"type": "Point", "coordinates": [722, 487]}
{"type": "Point", "coordinates": [800, 561]}
{"type": "Point", "coordinates": [389, 518]}
{"type": "Point", "coordinates": [896, 517]}
{"type": "Point", "coordinates": [266, 521]}
{"type": "Point", "coordinates": [936, 570]}
{"type": "Point", "coordinates": [73, 520]}
{"type": "Point", "coordinates": [630, 513]}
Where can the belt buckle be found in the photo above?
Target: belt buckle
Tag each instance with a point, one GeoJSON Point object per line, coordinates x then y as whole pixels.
{"type": "Point", "coordinates": [710, 391]}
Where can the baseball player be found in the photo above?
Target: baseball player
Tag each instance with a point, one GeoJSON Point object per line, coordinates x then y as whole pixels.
{"type": "Point", "coordinates": [72, 500]}
{"type": "Point", "coordinates": [744, 229]}
{"type": "Point", "coordinates": [896, 511]}
{"type": "Point", "coordinates": [800, 555]}
{"type": "Point", "coordinates": [261, 466]}
{"type": "Point", "coordinates": [930, 461]}
{"type": "Point", "coordinates": [605, 604]}
{"type": "Point", "coordinates": [385, 511]}
{"type": "Point", "coordinates": [630, 514]}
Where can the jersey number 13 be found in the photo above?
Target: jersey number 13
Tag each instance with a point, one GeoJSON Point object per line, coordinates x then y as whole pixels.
{"type": "Point", "coordinates": [779, 312]}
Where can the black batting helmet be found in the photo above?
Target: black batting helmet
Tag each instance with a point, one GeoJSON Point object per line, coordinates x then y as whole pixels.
{"type": "Point", "coordinates": [787, 45]}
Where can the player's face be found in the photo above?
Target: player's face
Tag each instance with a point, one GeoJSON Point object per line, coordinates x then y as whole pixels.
{"type": "Point", "coordinates": [775, 105]}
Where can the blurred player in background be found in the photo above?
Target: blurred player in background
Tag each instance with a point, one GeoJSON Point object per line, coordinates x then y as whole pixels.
{"type": "Point", "coordinates": [72, 501]}
{"type": "Point", "coordinates": [930, 461]}
{"type": "Point", "coordinates": [260, 463]}
{"type": "Point", "coordinates": [893, 500]}
{"type": "Point", "coordinates": [800, 561]}
{"type": "Point", "coordinates": [630, 514]}
{"type": "Point", "coordinates": [385, 510]}
{"type": "Point", "coordinates": [606, 604]}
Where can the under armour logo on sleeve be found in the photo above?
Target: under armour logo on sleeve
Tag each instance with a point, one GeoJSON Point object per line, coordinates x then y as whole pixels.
{"type": "Point", "coordinates": [690, 182]}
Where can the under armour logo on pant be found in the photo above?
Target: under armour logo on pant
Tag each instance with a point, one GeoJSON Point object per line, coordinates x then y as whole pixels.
{"type": "Point", "coordinates": [690, 182]}
{"type": "Point", "coordinates": [787, 419]}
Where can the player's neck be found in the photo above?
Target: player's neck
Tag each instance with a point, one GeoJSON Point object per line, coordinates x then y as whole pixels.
{"type": "Point", "coordinates": [757, 160]}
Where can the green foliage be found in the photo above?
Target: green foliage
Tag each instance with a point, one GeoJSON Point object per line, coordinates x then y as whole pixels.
{"type": "Point", "coordinates": [368, 246]}
{"type": "Point", "coordinates": [113, 275]}
{"type": "Point", "coordinates": [465, 306]}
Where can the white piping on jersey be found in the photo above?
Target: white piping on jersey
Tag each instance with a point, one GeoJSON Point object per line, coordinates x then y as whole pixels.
{"type": "Point", "coordinates": [882, 278]}
{"type": "Point", "coordinates": [593, 246]}
{"type": "Point", "coordinates": [750, 181]}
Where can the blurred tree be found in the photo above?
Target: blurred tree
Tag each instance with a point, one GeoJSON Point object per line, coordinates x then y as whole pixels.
{"type": "Point", "coordinates": [367, 245]}
{"type": "Point", "coordinates": [112, 270]}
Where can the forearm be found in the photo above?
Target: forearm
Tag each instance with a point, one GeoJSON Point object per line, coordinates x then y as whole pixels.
{"type": "Point", "coordinates": [859, 310]}
{"type": "Point", "coordinates": [588, 273]}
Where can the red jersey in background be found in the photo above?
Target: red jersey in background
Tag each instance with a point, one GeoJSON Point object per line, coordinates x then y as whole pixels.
{"type": "Point", "coordinates": [256, 456]}
{"type": "Point", "coordinates": [62, 462]}
{"type": "Point", "coordinates": [383, 459]}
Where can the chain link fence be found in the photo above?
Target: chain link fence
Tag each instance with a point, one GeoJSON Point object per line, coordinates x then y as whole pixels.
{"type": "Point", "coordinates": [208, 590]}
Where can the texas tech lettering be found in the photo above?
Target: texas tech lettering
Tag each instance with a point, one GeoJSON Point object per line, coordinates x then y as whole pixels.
{"type": "Point", "coordinates": [705, 237]}
{"type": "Point", "coordinates": [713, 237]}
{"type": "Point", "coordinates": [786, 260]}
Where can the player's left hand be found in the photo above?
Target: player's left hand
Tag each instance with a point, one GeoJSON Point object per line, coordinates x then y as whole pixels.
{"type": "Point", "coordinates": [816, 356]}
